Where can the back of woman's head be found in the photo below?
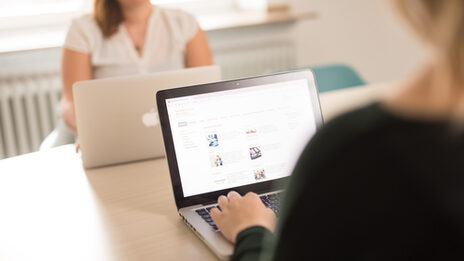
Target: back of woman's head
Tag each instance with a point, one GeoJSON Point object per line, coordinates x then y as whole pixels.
{"type": "Point", "coordinates": [441, 24]}
{"type": "Point", "coordinates": [108, 15]}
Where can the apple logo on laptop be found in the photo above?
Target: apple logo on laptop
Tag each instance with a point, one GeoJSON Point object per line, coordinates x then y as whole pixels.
{"type": "Point", "coordinates": [150, 119]}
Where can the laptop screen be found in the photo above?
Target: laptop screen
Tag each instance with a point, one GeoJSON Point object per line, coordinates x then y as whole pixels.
{"type": "Point", "coordinates": [238, 137]}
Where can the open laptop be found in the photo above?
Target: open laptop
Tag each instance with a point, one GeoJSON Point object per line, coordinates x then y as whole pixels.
{"type": "Point", "coordinates": [116, 117]}
{"type": "Point", "coordinates": [243, 135]}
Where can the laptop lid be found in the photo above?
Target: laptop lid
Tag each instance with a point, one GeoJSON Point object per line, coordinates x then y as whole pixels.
{"type": "Point", "coordinates": [116, 118]}
{"type": "Point", "coordinates": [244, 134]}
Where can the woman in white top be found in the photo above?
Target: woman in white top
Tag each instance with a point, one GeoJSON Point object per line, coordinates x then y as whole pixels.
{"type": "Point", "coordinates": [126, 37]}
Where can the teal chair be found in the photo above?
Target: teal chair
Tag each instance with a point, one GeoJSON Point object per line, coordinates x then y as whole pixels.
{"type": "Point", "coordinates": [335, 77]}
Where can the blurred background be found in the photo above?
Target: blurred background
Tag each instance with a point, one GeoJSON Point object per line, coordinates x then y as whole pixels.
{"type": "Point", "coordinates": [247, 38]}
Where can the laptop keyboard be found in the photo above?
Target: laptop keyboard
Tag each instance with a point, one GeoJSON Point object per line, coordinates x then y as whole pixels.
{"type": "Point", "coordinates": [271, 201]}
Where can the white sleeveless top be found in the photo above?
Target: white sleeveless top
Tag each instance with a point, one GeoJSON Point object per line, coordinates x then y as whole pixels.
{"type": "Point", "coordinates": [168, 33]}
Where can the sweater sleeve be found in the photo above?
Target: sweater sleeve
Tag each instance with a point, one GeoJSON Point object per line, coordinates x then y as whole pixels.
{"type": "Point", "coordinates": [250, 243]}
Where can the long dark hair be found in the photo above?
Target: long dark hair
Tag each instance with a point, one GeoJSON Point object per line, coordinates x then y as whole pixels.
{"type": "Point", "coordinates": [108, 15]}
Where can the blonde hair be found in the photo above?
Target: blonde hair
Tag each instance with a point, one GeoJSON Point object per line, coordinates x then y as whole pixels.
{"type": "Point", "coordinates": [440, 23]}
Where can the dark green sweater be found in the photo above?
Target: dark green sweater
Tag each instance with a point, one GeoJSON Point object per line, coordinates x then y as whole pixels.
{"type": "Point", "coordinates": [370, 186]}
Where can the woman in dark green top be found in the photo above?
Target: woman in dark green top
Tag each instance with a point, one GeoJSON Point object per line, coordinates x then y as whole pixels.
{"type": "Point", "coordinates": [384, 182]}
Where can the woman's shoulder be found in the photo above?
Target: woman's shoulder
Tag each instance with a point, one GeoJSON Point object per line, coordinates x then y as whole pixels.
{"type": "Point", "coordinates": [183, 24]}
{"type": "Point", "coordinates": [85, 20]}
{"type": "Point", "coordinates": [83, 34]}
{"type": "Point", "coordinates": [348, 128]}
{"type": "Point", "coordinates": [176, 14]}
{"type": "Point", "coordinates": [357, 121]}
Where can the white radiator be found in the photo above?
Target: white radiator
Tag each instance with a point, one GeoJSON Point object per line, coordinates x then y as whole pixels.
{"type": "Point", "coordinates": [28, 102]}
{"type": "Point", "coordinates": [27, 111]}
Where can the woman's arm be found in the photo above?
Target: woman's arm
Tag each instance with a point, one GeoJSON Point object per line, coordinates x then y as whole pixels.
{"type": "Point", "coordinates": [75, 66]}
{"type": "Point", "coordinates": [246, 222]}
{"type": "Point", "coordinates": [239, 213]}
{"type": "Point", "coordinates": [197, 51]}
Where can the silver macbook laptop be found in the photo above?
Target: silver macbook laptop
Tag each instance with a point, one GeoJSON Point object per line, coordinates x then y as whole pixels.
{"type": "Point", "coordinates": [243, 135]}
{"type": "Point", "coordinates": [116, 117]}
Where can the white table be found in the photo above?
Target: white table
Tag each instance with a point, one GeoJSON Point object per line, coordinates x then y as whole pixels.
{"type": "Point", "coordinates": [53, 209]}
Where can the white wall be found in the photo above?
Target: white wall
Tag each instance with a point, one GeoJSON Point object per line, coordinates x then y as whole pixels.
{"type": "Point", "coordinates": [366, 34]}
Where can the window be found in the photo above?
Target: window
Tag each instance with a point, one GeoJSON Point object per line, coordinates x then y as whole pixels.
{"type": "Point", "coordinates": [21, 14]}
{"type": "Point", "coordinates": [43, 23]}
{"type": "Point", "coordinates": [36, 13]}
{"type": "Point", "coordinates": [13, 8]}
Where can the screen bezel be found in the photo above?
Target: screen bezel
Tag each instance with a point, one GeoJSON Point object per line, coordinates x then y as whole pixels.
{"type": "Point", "coordinates": [163, 95]}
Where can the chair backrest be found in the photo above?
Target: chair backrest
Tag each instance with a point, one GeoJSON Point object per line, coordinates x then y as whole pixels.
{"type": "Point", "coordinates": [335, 77]}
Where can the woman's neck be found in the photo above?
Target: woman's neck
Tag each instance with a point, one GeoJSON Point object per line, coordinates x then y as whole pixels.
{"type": "Point", "coordinates": [137, 13]}
{"type": "Point", "coordinates": [431, 94]}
